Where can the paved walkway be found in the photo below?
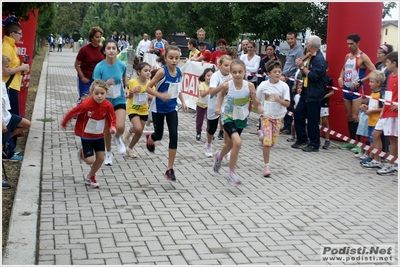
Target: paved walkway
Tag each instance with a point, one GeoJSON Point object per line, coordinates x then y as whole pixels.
{"type": "Point", "coordinates": [138, 217]}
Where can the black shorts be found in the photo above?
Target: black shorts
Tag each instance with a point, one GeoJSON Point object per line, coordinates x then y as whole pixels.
{"type": "Point", "coordinates": [142, 117]}
{"type": "Point", "coordinates": [90, 145]}
{"type": "Point", "coordinates": [231, 128]}
{"type": "Point", "coordinates": [213, 126]}
{"type": "Point", "coordinates": [120, 106]}
{"type": "Point", "coordinates": [15, 120]}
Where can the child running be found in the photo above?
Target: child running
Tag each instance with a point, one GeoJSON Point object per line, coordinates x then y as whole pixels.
{"type": "Point", "coordinates": [274, 96]}
{"type": "Point", "coordinates": [168, 82]}
{"type": "Point", "coordinates": [235, 113]}
{"type": "Point", "coordinates": [202, 102]}
{"type": "Point", "coordinates": [93, 113]}
{"type": "Point", "coordinates": [113, 72]}
{"type": "Point", "coordinates": [216, 81]}
{"type": "Point", "coordinates": [137, 106]}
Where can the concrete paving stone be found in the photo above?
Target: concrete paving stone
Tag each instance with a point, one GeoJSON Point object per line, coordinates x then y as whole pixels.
{"type": "Point", "coordinates": [128, 247]}
{"type": "Point", "coordinates": [46, 262]}
{"type": "Point", "coordinates": [113, 261]}
{"type": "Point", "coordinates": [177, 260]}
{"type": "Point", "coordinates": [151, 259]}
{"type": "Point", "coordinates": [287, 260]}
{"type": "Point", "coordinates": [107, 242]}
{"type": "Point", "coordinates": [78, 254]}
{"type": "Point", "coordinates": [239, 258]}
{"type": "Point", "coordinates": [93, 248]}
{"type": "Point", "coordinates": [88, 262]}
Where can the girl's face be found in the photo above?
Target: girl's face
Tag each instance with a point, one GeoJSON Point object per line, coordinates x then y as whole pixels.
{"type": "Point", "coordinates": [225, 67]}
{"type": "Point", "coordinates": [172, 58]}
{"type": "Point", "coordinates": [381, 55]}
{"type": "Point", "coordinates": [270, 51]}
{"type": "Point", "coordinates": [237, 72]}
{"type": "Point", "coordinates": [144, 72]}
{"type": "Point", "coordinates": [99, 94]}
{"type": "Point", "coordinates": [95, 41]}
{"type": "Point", "coordinates": [208, 77]}
{"type": "Point", "coordinates": [299, 88]}
{"type": "Point", "coordinates": [111, 50]}
{"type": "Point", "coordinates": [250, 49]}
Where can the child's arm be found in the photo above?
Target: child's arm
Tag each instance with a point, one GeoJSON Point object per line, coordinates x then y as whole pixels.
{"type": "Point", "coordinates": [330, 93]}
{"type": "Point", "coordinates": [111, 119]}
{"type": "Point", "coordinates": [72, 113]}
{"type": "Point", "coordinates": [185, 107]}
{"type": "Point", "coordinates": [204, 90]}
{"type": "Point", "coordinates": [253, 98]}
{"type": "Point", "coordinates": [159, 74]}
{"type": "Point", "coordinates": [4, 127]}
{"type": "Point", "coordinates": [224, 89]}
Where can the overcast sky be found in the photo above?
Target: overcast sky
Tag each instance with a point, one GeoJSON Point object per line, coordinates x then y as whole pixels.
{"type": "Point", "coordinates": [394, 12]}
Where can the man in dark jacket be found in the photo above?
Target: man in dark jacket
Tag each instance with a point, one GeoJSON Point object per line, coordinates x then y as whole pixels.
{"type": "Point", "coordinates": [314, 89]}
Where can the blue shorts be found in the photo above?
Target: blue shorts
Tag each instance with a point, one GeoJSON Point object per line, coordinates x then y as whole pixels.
{"type": "Point", "coordinates": [12, 125]}
{"type": "Point", "coordinates": [352, 97]}
{"type": "Point", "coordinates": [370, 130]}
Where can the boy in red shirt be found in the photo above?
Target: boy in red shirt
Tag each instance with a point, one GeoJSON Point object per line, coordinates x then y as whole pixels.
{"type": "Point", "coordinates": [388, 120]}
{"type": "Point", "coordinates": [93, 113]}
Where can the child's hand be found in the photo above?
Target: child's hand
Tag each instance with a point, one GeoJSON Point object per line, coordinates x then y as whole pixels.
{"type": "Point", "coordinates": [165, 96]}
{"type": "Point", "coordinates": [394, 107]}
{"type": "Point", "coordinates": [276, 97]}
{"type": "Point", "coordinates": [217, 111]}
{"type": "Point", "coordinates": [260, 110]}
{"type": "Point", "coordinates": [136, 90]}
{"type": "Point", "coordinates": [4, 128]}
{"type": "Point", "coordinates": [185, 107]}
{"type": "Point", "coordinates": [113, 130]}
{"type": "Point", "coordinates": [62, 127]}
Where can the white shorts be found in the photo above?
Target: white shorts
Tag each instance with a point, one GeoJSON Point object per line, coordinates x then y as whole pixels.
{"type": "Point", "coordinates": [324, 112]}
{"type": "Point", "coordinates": [388, 126]}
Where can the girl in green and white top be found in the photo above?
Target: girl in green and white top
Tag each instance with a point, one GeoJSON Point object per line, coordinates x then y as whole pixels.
{"type": "Point", "coordinates": [234, 116]}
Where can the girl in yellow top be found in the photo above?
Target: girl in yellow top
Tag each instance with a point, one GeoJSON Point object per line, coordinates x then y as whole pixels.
{"type": "Point", "coordinates": [202, 102]}
{"type": "Point", "coordinates": [137, 106]}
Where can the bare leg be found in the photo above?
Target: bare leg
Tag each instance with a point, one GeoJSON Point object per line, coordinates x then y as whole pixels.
{"type": "Point", "coordinates": [137, 130]}
{"type": "Point", "coordinates": [236, 145]}
{"type": "Point", "coordinates": [376, 135]}
{"type": "Point", "coordinates": [97, 163]}
{"type": "Point", "coordinates": [393, 147]}
{"type": "Point", "coordinates": [171, 157]}
{"type": "Point", "coordinates": [266, 152]}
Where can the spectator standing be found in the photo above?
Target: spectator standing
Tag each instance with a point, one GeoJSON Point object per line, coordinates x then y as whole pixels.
{"type": "Point", "coordinates": [192, 49]}
{"type": "Point", "coordinates": [351, 78]}
{"type": "Point", "coordinates": [71, 42]}
{"type": "Point", "coordinates": [289, 71]}
{"type": "Point", "coordinates": [80, 42]}
{"type": "Point", "coordinates": [158, 43]}
{"type": "Point", "coordinates": [252, 62]}
{"type": "Point", "coordinates": [201, 36]}
{"type": "Point", "coordinates": [12, 75]}
{"type": "Point", "coordinates": [59, 44]}
{"type": "Point", "coordinates": [314, 89]}
{"type": "Point", "coordinates": [86, 61]}
{"type": "Point", "coordinates": [243, 48]}
{"type": "Point", "coordinates": [325, 108]}
{"type": "Point", "coordinates": [270, 55]}
{"type": "Point", "coordinates": [123, 42]}
{"type": "Point", "coordinates": [219, 53]}
{"type": "Point", "coordinates": [383, 51]}
{"type": "Point", "coordinates": [115, 36]}
{"type": "Point", "coordinates": [51, 42]}
{"type": "Point", "coordinates": [143, 46]}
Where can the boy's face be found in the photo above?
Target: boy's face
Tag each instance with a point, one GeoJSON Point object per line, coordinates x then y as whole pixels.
{"type": "Point", "coordinates": [391, 65]}
{"type": "Point", "coordinates": [374, 84]}
{"type": "Point", "coordinates": [275, 74]}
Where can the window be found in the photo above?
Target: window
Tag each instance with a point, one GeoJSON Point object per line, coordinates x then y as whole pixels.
{"type": "Point", "coordinates": [386, 31]}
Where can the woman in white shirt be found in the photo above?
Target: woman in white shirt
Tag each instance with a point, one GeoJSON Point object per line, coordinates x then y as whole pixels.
{"type": "Point", "coordinates": [122, 42]}
{"type": "Point", "coordinates": [252, 62]}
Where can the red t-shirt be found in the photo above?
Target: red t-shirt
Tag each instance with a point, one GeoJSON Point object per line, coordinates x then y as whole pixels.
{"type": "Point", "coordinates": [391, 94]}
{"type": "Point", "coordinates": [207, 56]}
{"type": "Point", "coordinates": [89, 56]}
{"type": "Point", "coordinates": [216, 55]}
{"type": "Point", "coordinates": [90, 109]}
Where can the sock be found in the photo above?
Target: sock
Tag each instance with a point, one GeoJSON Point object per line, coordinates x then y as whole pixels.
{"type": "Point", "coordinates": [231, 171]}
{"type": "Point", "coordinates": [266, 164]}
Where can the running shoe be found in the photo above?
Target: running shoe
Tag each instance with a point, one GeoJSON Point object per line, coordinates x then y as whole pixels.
{"type": "Point", "coordinates": [233, 179]}
{"type": "Point", "coordinates": [217, 162]}
{"type": "Point", "coordinates": [372, 164]}
{"type": "Point", "coordinates": [267, 171]}
{"type": "Point", "coordinates": [150, 147]}
{"type": "Point", "coordinates": [366, 160]}
{"type": "Point", "coordinates": [388, 169]}
{"type": "Point", "coordinates": [327, 144]}
{"type": "Point", "coordinates": [93, 182]}
{"type": "Point", "coordinates": [109, 159]}
{"type": "Point", "coordinates": [221, 135]}
{"type": "Point", "coordinates": [131, 153]}
{"type": "Point", "coordinates": [126, 136]}
{"type": "Point", "coordinates": [170, 175]}
{"type": "Point", "coordinates": [208, 150]}
{"type": "Point", "coordinates": [120, 145]}
{"type": "Point", "coordinates": [347, 146]}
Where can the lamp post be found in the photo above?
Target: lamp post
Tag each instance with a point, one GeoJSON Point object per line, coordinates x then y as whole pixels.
{"type": "Point", "coordinates": [122, 17]}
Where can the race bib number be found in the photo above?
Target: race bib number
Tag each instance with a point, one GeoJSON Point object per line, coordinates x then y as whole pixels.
{"type": "Point", "coordinates": [373, 104]}
{"type": "Point", "coordinates": [140, 99]}
{"type": "Point", "coordinates": [114, 91]}
{"type": "Point", "coordinates": [240, 112]}
{"type": "Point", "coordinates": [388, 97]}
{"type": "Point", "coordinates": [95, 126]}
{"type": "Point", "coordinates": [272, 108]}
{"type": "Point", "coordinates": [174, 89]}
{"type": "Point", "coordinates": [348, 75]}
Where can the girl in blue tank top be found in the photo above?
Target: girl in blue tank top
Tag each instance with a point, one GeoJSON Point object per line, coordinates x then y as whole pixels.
{"type": "Point", "coordinates": [168, 82]}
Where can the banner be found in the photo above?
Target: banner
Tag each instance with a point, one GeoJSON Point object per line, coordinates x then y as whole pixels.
{"type": "Point", "coordinates": [191, 72]}
{"type": "Point", "coordinates": [25, 52]}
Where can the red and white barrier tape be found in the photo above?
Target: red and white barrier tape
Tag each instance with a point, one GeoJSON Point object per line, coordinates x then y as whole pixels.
{"type": "Point", "coordinates": [368, 149]}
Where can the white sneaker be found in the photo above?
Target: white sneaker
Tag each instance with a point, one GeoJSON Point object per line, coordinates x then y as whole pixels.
{"type": "Point", "coordinates": [233, 179]}
{"type": "Point", "coordinates": [120, 145]}
{"type": "Point", "coordinates": [228, 156]}
{"type": "Point", "coordinates": [364, 156]}
{"type": "Point", "coordinates": [388, 169]}
{"type": "Point", "coordinates": [208, 152]}
{"type": "Point", "coordinates": [131, 153]}
{"type": "Point", "coordinates": [109, 159]}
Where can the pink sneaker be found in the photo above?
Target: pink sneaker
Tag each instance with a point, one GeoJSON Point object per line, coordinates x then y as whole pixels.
{"type": "Point", "coordinates": [91, 181]}
{"type": "Point", "coordinates": [267, 171]}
